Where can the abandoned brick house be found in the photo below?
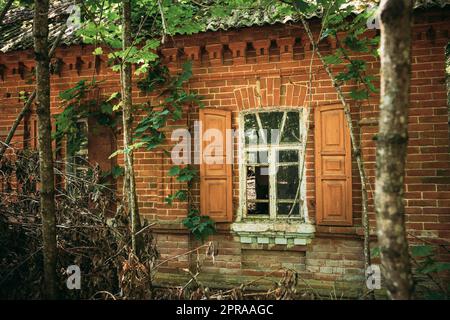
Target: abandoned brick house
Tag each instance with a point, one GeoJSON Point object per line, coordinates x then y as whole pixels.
{"type": "Point", "coordinates": [251, 74]}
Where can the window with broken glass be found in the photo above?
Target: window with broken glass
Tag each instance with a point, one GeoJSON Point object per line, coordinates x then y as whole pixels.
{"type": "Point", "coordinates": [271, 164]}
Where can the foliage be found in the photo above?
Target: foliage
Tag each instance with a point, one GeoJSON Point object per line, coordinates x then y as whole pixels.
{"type": "Point", "coordinates": [200, 226]}
{"type": "Point", "coordinates": [79, 104]}
{"type": "Point", "coordinates": [428, 267]}
{"type": "Point", "coordinates": [185, 174]}
{"type": "Point", "coordinates": [148, 132]}
{"type": "Point", "coordinates": [89, 233]}
{"type": "Point", "coordinates": [171, 92]}
{"type": "Point", "coordinates": [340, 23]}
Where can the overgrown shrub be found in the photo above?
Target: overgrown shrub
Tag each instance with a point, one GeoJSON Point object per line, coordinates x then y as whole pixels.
{"type": "Point", "coordinates": [91, 233]}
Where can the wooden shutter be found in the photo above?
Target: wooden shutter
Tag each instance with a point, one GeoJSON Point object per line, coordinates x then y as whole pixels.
{"type": "Point", "coordinates": [333, 167]}
{"type": "Point", "coordinates": [215, 179]}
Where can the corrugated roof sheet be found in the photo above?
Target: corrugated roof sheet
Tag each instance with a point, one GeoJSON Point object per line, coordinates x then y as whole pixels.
{"type": "Point", "coordinates": [16, 32]}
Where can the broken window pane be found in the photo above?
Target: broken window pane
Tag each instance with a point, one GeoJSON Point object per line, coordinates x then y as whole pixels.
{"type": "Point", "coordinates": [254, 157]}
{"type": "Point", "coordinates": [285, 209]}
{"type": "Point", "coordinates": [291, 131]}
{"type": "Point", "coordinates": [257, 183]}
{"type": "Point", "coordinates": [287, 182]}
{"type": "Point", "coordinates": [271, 123]}
{"type": "Point", "coordinates": [258, 208]}
{"type": "Point", "coordinates": [257, 190]}
{"type": "Point", "coordinates": [288, 155]}
{"type": "Point", "coordinates": [251, 129]}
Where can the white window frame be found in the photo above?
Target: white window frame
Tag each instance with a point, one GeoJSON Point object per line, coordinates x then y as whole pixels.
{"type": "Point", "coordinates": [272, 152]}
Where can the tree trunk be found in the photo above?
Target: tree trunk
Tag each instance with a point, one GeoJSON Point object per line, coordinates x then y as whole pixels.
{"type": "Point", "coordinates": [392, 138]}
{"type": "Point", "coordinates": [127, 105]}
{"type": "Point", "coordinates": [356, 148]}
{"type": "Point", "coordinates": [47, 183]}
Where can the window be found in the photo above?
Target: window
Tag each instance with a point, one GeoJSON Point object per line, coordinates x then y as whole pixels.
{"type": "Point", "coordinates": [271, 162]}
{"type": "Point", "coordinates": [77, 149]}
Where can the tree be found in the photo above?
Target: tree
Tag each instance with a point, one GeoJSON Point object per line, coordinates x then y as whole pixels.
{"type": "Point", "coordinates": [392, 138]}
{"type": "Point", "coordinates": [127, 107]}
{"type": "Point", "coordinates": [47, 183]}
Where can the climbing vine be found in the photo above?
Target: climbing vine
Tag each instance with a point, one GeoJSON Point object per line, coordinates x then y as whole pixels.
{"type": "Point", "coordinates": [78, 104]}
{"type": "Point", "coordinates": [148, 134]}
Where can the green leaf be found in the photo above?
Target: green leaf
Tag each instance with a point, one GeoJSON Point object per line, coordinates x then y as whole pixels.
{"type": "Point", "coordinates": [174, 171]}
{"type": "Point", "coordinates": [421, 250]}
{"type": "Point", "coordinates": [117, 106]}
{"type": "Point", "coordinates": [113, 95]}
{"type": "Point", "coordinates": [358, 94]}
{"type": "Point", "coordinates": [301, 5]}
{"type": "Point", "coordinates": [117, 171]}
{"type": "Point", "coordinates": [169, 199]}
{"type": "Point", "coordinates": [116, 153]}
{"type": "Point", "coordinates": [375, 252]}
{"type": "Point", "coordinates": [98, 51]}
{"type": "Point", "coordinates": [436, 267]}
{"type": "Point", "coordinates": [332, 59]}
{"type": "Point", "coordinates": [106, 108]}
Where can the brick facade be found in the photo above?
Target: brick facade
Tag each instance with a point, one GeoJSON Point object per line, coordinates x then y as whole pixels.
{"type": "Point", "coordinates": [269, 66]}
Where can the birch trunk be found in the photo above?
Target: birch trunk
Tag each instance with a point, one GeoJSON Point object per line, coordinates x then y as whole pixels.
{"type": "Point", "coordinates": [356, 148]}
{"type": "Point", "coordinates": [47, 183]}
{"type": "Point", "coordinates": [392, 138]}
{"type": "Point", "coordinates": [127, 105]}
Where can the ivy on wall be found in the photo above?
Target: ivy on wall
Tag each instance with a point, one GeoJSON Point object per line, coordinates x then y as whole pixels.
{"type": "Point", "coordinates": [148, 134]}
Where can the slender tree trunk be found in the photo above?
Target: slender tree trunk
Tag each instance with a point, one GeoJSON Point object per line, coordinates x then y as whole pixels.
{"type": "Point", "coordinates": [47, 183]}
{"type": "Point", "coordinates": [392, 138]}
{"type": "Point", "coordinates": [356, 148]}
{"type": "Point", "coordinates": [127, 105]}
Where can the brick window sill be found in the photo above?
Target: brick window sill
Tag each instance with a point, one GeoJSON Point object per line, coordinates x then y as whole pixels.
{"type": "Point", "coordinates": [273, 232]}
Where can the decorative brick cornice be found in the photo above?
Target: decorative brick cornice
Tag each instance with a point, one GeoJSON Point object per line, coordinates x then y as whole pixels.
{"type": "Point", "coordinates": [286, 46]}
{"type": "Point", "coordinates": [262, 50]}
{"type": "Point", "coordinates": [215, 53]}
{"type": "Point", "coordinates": [192, 53]}
{"type": "Point", "coordinates": [170, 54]}
{"type": "Point", "coordinates": [239, 50]}
{"type": "Point", "coordinates": [267, 93]}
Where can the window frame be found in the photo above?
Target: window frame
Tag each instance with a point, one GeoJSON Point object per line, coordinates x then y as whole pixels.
{"type": "Point", "coordinates": [272, 150]}
{"type": "Point", "coordinates": [72, 167]}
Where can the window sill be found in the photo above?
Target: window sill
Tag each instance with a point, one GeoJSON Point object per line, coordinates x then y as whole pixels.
{"type": "Point", "coordinates": [274, 232]}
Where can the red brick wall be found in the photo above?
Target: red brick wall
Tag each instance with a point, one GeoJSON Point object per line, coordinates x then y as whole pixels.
{"type": "Point", "coordinates": [227, 80]}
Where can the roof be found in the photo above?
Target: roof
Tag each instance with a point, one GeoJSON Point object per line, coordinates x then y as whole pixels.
{"type": "Point", "coordinates": [252, 17]}
{"type": "Point", "coordinates": [16, 32]}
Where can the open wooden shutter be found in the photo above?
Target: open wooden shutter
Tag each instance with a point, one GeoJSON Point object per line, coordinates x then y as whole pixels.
{"type": "Point", "coordinates": [216, 178]}
{"type": "Point", "coordinates": [333, 167]}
